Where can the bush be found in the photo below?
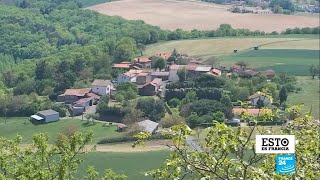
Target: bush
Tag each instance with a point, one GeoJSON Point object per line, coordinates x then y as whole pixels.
{"type": "Point", "coordinates": [61, 109]}
{"type": "Point", "coordinates": [170, 121]}
{"type": "Point", "coordinates": [119, 98]}
{"type": "Point", "coordinates": [174, 102]}
{"type": "Point", "coordinates": [128, 139]}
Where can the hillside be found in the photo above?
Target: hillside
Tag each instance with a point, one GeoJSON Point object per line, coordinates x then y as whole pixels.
{"type": "Point", "coordinates": [189, 15]}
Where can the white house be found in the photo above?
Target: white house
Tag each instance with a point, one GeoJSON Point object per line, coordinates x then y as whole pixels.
{"type": "Point", "coordinates": [126, 77]}
{"type": "Point", "coordinates": [101, 87]}
{"type": "Point", "coordinates": [255, 98]}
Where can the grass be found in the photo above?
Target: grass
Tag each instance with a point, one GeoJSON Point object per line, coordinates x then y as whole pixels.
{"type": "Point", "coordinates": [291, 61]}
{"type": "Point", "coordinates": [134, 165]}
{"type": "Point", "coordinates": [310, 95]}
{"type": "Point", "coordinates": [87, 3]}
{"type": "Point", "coordinates": [26, 129]}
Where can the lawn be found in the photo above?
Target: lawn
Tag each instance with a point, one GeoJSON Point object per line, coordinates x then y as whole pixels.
{"type": "Point", "coordinates": [310, 95]}
{"type": "Point", "coordinates": [291, 61]}
{"type": "Point", "coordinates": [134, 165]}
{"type": "Point", "coordinates": [23, 127]}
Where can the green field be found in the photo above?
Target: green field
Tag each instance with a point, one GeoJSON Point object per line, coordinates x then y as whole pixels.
{"type": "Point", "coordinates": [134, 165]}
{"type": "Point", "coordinates": [87, 3]}
{"type": "Point", "coordinates": [310, 95]}
{"type": "Point", "coordinates": [291, 61]}
{"type": "Point", "coordinates": [23, 127]}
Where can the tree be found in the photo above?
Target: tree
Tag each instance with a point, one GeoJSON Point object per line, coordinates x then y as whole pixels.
{"type": "Point", "coordinates": [229, 153]}
{"type": "Point", "coordinates": [153, 109]}
{"type": "Point", "coordinates": [133, 116]}
{"type": "Point", "coordinates": [313, 71]}
{"type": "Point", "coordinates": [171, 120]}
{"type": "Point", "coordinates": [283, 95]}
{"type": "Point", "coordinates": [119, 97]}
{"type": "Point", "coordinates": [225, 99]}
{"type": "Point", "coordinates": [218, 116]}
{"type": "Point", "coordinates": [277, 9]}
{"type": "Point", "coordinates": [141, 47]}
{"type": "Point", "coordinates": [42, 160]}
{"type": "Point", "coordinates": [174, 102]}
{"type": "Point", "coordinates": [260, 103]}
{"type": "Point", "coordinates": [159, 63]}
{"type": "Point", "coordinates": [40, 71]}
{"type": "Point", "coordinates": [182, 74]}
{"type": "Point", "coordinates": [242, 64]}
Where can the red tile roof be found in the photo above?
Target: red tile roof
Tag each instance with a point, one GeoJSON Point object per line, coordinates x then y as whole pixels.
{"type": "Point", "coordinates": [122, 65]}
{"type": "Point", "coordinates": [77, 92]}
{"type": "Point", "coordinates": [216, 71]}
{"type": "Point", "coordinates": [101, 82]}
{"type": "Point", "coordinates": [83, 100]}
{"type": "Point", "coordinates": [236, 67]}
{"type": "Point", "coordinates": [191, 67]}
{"type": "Point", "coordinates": [177, 67]}
{"type": "Point", "coordinates": [129, 74]}
{"type": "Point", "coordinates": [156, 81]}
{"type": "Point", "coordinates": [135, 71]}
{"type": "Point", "coordinates": [142, 60]}
{"type": "Point", "coordinates": [160, 73]}
{"type": "Point", "coordinates": [269, 72]}
{"type": "Point", "coordinates": [93, 95]}
{"type": "Point", "coordinates": [143, 74]}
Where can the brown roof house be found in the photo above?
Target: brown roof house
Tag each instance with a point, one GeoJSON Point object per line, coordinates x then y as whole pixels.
{"type": "Point", "coordinates": [122, 65]}
{"type": "Point", "coordinates": [72, 95]}
{"type": "Point", "coordinates": [148, 126]}
{"type": "Point", "coordinates": [143, 78]}
{"type": "Point", "coordinates": [152, 88]}
{"type": "Point", "coordinates": [142, 62]}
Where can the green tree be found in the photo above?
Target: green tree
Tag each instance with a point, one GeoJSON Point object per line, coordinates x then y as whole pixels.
{"type": "Point", "coordinates": [182, 74]}
{"type": "Point", "coordinates": [141, 47]}
{"type": "Point", "coordinates": [229, 153]}
{"type": "Point", "coordinates": [119, 97]}
{"type": "Point", "coordinates": [44, 161]}
{"type": "Point", "coordinates": [283, 95]}
{"type": "Point", "coordinates": [174, 102]}
{"type": "Point", "coordinates": [159, 63]}
{"type": "Point", "coordinates": [277, 9]}
{"type": "Point", "coordinates": [153, 109]}
{"type": "Point", "coordinates": [313, 71]}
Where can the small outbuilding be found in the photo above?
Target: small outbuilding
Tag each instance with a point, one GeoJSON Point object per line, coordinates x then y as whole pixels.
{"type": "Point", "coordinates": [149, 126]}
{"type": "Point", "coordinates": [45, 116]}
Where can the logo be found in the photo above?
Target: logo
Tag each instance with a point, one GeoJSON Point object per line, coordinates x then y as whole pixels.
{"type": "Point", "coordinates": [286, 164]}
{"type": "Point", "coordinates": [275, 144]}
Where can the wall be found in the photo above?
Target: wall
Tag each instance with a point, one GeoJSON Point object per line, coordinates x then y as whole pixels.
{"type": "Point", "coordinates": [101, 90]}
{"type": "Point", "coordinates": [52, 118]}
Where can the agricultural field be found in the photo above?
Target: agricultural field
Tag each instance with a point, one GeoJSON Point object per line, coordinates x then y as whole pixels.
{"type": "Point", "coordinates": [26, 129]}
{"type": "Point", "coordinates": [134, 165]}
{"type": "Point", "coordinates": [310, 95]}
{"type": "Point", "coordinates": [292, 55]}
{"type": "Point", "coordinates": [188, 15]}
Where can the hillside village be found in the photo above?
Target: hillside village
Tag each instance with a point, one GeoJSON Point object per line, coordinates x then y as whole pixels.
{"type": "Point", "coordinates": [170, 78]}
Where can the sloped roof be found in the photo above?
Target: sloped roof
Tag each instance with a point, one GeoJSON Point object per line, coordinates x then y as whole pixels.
{"type": "Point", "coordinates": [160, 73]}
{"type": "Point", "coordinates": [142, 60]}
{"type": "Point", "coordinates": [191, 67]}
{"type": "Point", "coordinates": [156, 81]}
{"type": "Point", "coordinates": [131, 75]}
{"type": "Point", "coordinates": [94, 95]}
{"type": "Point", "coordinates": [148, 125]}
{"type": "Point", "coordinates": [77, 92]}
{"type": "Point", "coordinates": [177, 67]}
{"type": "Point", "coordinates": [143, 74]}
{"type": "Point", "coordinates": [216, 71]}
{"type": "Point", "coordinates": [47, 112]}
{"type": "Point", "coordinates": [83, 100]}
{"type": "Point", "coordinates": [269, 72]}
{"type": "Point", "coordinates": [101, 82]}
{"type": "Point", "coordinates": [163, 55]}
{"type": "Point", "coordinates": [203, 68]}
{"type": "Point", "coordinates": [124, 65]}
{"type": "Point", "coordinates": [135, 71]}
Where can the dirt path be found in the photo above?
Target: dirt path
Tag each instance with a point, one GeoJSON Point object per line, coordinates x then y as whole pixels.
{"type": "Point", "coordinates": [156, 145]}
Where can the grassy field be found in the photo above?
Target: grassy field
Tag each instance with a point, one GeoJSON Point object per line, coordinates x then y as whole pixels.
{"type": "Point", "coordinates": [26, 129]}
{"type": "Point", "coordinates": [291, 61]}
{"type": "Point", "coordinates": [310, 95]}
{"type": "Point", "coordinates": [291, 55]}
{"type": "Point", "coordinates": [134, 165]}
{"type": "Point", "coordinates": [190, 14]}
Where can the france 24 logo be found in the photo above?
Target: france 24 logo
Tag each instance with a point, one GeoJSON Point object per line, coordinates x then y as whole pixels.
{"type": "Point", "coordinates": [275, 144]}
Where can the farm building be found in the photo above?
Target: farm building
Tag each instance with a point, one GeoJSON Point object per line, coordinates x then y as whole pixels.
{"type": "Point", "coordinates": [102, 87]}
{"type": "Point", "coordinates": [164, 75]}
{"type": "Point", "coordinates": [152, 88]}
{"type": "Point", "coordinates": [260, 96]}
{"type": "Point", "coordinates": [72, 95]}
{"type": "Point", "coordinates": [143, 62]}
{"type": "Point", "coordinates": [126, 77]}
{"type": "Point", "coordinates": [45, 116]}
{"type": "Point", "coordinates": [143, 78]}
{"type": "Point", "coordinates": [149, 126]}
{"type": "Point", "coordinates": [173, 76]}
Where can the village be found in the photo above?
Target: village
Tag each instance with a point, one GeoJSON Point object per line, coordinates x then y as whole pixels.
{"type": "Point", "coordinates": [152, 82]}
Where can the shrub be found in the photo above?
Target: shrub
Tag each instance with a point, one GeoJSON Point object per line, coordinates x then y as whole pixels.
{"type": "Point", "coordinates": [119, 98]}
{"type": "Point", "coordinates": [172, 120]}
{"type": "Point", "coordinates": [174, 102]}
{"type": "Point", "coordinates": [61, 109]}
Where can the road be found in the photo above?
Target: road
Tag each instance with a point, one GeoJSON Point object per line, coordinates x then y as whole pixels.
{"type": "Point", "coordinates": [193, 144]}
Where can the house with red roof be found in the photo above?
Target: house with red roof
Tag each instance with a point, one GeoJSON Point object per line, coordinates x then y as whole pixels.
{"type": "Point", "coordinates": [142, 62]}
{"type": "Point", "coordinates": [122, 65]}
{"type": "Point", "coordinates": [72, 95]}
{"type": "Point", "coordinates": [152, 88]}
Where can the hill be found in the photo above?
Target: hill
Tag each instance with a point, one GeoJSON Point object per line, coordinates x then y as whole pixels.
{"type": "Point", "coordinates": [189, 15]}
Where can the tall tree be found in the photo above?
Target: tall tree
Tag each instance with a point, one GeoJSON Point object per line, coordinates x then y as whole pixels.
{"type": "Point", "coordinates": [159, 63]}
{"type": "Point", "coordinates": [283, 94]}
{"type": "Point", "coordinates": [40, 71]}
{"type": "Point", "coordinates": [313, 71]}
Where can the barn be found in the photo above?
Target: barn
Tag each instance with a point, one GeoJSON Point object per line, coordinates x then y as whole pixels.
{"type": "Point", "coordinates": [45, 116]}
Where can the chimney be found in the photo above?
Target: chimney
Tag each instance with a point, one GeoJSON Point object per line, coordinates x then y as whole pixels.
{"type": "Point", "coordinates": [138, 59]}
